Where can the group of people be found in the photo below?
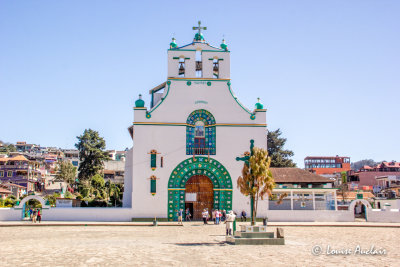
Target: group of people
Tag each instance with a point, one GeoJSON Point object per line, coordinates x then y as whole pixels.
{"type": "Point", "coordinates": [35, 215]}
{"type": "Point", "coordinates": [217, 216]}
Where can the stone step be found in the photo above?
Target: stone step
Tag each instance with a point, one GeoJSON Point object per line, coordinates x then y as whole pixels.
{"type": "Point", "coordinates": [254, 241]}
{"type": "Point", "coordinates": [254, 234]}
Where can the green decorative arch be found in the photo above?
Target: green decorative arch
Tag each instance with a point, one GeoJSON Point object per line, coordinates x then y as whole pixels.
{"type": "Point", "coordinates": [219, 176]}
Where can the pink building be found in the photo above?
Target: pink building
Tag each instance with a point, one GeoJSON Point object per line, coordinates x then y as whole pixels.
{"type": "Point", "coordinates": [365, 178]}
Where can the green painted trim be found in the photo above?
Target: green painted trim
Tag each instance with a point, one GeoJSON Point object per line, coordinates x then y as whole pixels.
{"type": "Point", "coordinates": [208, 83]}
{"type": "Point", "coordinates": [219, 59]}
{"type": "Point", "coordinates": [200, 80]}
{"type": "Point", "coordinates": [237, 101]}
{"type": "Point", "coordinates": [184, 124]}
{"type": "Point", "coordinates": [179, 58]}
{"type": "Point", "coordinates": [148, 114]}
{"type": "Point", "coordinates": [260, 110]}
{"type": "Point", "coordinates": [242, 125]}
{"type": "Point", "coordinates": [189, 83]}
{"type": "Point", "coordinates": [224, 51]}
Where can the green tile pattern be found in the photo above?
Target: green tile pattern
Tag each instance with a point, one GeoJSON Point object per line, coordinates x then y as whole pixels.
{"type": "Point", "coordinates": [219, 176]}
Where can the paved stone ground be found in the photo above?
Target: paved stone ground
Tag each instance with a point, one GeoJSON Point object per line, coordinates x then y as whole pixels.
{"type": "Point", "coordinates": [191, 245]}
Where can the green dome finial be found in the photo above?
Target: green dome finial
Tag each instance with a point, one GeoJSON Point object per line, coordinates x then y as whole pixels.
{"type": "Point", "coordinates": [139, 103]}
{"type": "Point", "coordinates": [173, 43]}
{"type": "Point", "coordinates": [258, 104]}
{"type": "Point", "coordinates": [224, 45]}
{"type": "Point", "coordinates": [199, 36]}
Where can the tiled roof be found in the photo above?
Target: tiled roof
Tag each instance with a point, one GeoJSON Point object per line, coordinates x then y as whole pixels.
{"type": "Point", "coordinates": [4, 191]}
{"type": "Point", "coordinates": [296, 175]}
{"type": "Point", "coordinates": [18, 158]}
{"type": "Point", "coordinates": [14, 185]}
{"type": "Point", "coordinates": [390, 164]}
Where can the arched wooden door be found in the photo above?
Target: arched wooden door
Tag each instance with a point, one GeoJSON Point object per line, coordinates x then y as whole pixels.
{"type": "Point", "coordinates": [199, 195]}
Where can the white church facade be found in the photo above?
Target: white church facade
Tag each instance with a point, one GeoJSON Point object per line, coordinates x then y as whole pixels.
{"type": "Point", "coordinates": [187, 145]}
{"type": "Point", "coordinates": [186, 142]}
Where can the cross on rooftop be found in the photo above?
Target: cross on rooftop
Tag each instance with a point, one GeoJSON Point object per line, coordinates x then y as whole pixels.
{"type": "Point", "coordinates": [199, 28]}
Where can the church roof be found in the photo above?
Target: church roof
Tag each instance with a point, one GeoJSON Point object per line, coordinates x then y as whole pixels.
{"type": "Point", "coordinates": [157, 88]}
{"type": "Point", "coordinates": [296, 175]}
{"type": "Point", "coordinates": [199, 39]}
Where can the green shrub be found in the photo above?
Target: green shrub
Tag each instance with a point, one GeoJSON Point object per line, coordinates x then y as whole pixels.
{"type": "Point", "coordinates": [97, 203]}
{"type": "Point", "coordinates": [68, 195]}
{"type": "Point", "coordinates": [83, 203]}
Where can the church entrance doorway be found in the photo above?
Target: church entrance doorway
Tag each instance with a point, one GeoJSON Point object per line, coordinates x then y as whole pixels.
{"type": "Point", "coordinates": [199, 196]}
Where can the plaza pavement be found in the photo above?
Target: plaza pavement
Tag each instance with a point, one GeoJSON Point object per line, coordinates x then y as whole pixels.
{"type": "Point", "coordinates": [272, 224]}
{"type": "Point", "coordinates": [192, 245]}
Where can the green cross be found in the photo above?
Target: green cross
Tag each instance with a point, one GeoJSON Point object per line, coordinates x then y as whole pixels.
{"type": "Point", "coordinates": [246, 159]}
{"type": "Point", "coordinates": [199, 28]}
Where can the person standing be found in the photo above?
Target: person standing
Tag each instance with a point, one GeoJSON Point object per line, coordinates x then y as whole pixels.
{"type": "Point", "coordinates": [34, 216]}
{"type": "Point", "coordinates": [243, 216]}
{"type": "Point", "coordinates": [180, 215]}
{"type": "Point", "coordinates": [204, 214]}
{"type": "Point", "coordinates": [217, 216]}
{"type": "Point", "coordinates": [213, 216]}
{"type": "Point", "coordinates": [39, 216]}
{"type": "Point", "coordinates": [230, 218]}
{"type": "Point", "coordinates": [30, 214]}
{"type": "Point", "coordinates": [187, 218]}
{"type": "Point", "coordinates": [223, 215]}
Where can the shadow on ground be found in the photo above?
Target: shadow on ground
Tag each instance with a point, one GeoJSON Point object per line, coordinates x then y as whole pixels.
{"type": "Point", "coordinates": [207, 244]}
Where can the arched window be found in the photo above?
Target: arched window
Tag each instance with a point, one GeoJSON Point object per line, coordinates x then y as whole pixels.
{"type": "Point", "coordinates": [199, 65]}
{"type": "Point", "coordinates": [181, 70]}
{"type": "Point", "coordinates": [215, 68]}
{"type": "Point", "coordinates": [200, 133]}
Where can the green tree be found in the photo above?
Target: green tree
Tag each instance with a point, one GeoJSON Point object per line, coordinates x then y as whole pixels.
{"type": "Point", "coordinates": [343, 189]}
{"type": "Point", "coordinates": [361, 163]}
{"type": "Point", "coordinates": [114, 193]}
{"type": "Point", "coordinates": [11, 148]}
{"type": "Point", "coordinates": [91, 154]}
{"type": "Point", "coordinates": [256, 180]}
{"type": "Point", "coordinates": [66, 172]}
{"type": "Point", "coordinates": [97, 181]}
{"type": "Point", "coordinates": [279, 156]}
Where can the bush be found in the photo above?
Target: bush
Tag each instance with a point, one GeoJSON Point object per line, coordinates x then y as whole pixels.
{"type": "Point", "coordinates": [97, 181]}
{"type": "Point", "coordinates": [83, 204]}
{"type": "Point", "coordinates": [68, 195]}
{"type": "Point", "coordinates": [97, 203]}
{"type": "Point", "coordinates": [8, 202]}
{"type": "Point", "coordinates": [51, 199]}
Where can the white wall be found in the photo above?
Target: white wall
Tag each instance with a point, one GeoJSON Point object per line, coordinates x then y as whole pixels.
{"type": "Point", "coordinates": [309, 216]}
{"type": "Point", "coordinates": [87, 214]}
{"type": "Point", "coordinates": [190, 64]}
{"type": "Point", "coordinates": [383, 216]}
{"type": "Point", "coordinates": [10, 214]}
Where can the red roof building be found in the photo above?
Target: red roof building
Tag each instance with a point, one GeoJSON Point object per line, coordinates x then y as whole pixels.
{"type": "Point", "coordinates": [327, 165]}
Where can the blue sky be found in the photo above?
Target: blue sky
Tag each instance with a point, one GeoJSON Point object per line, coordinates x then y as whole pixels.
{"type": "Point", "coordinates": [328, 71]}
